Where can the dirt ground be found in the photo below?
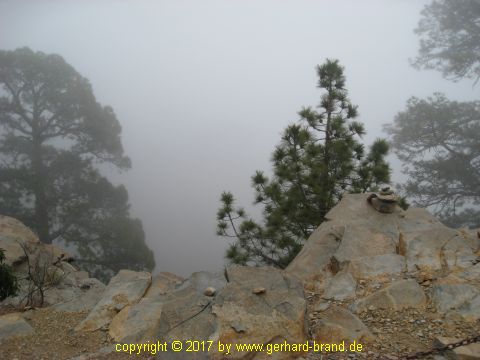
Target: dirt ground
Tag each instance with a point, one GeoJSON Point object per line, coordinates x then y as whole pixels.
{"type": "Point", "coordinates": [54, 338]}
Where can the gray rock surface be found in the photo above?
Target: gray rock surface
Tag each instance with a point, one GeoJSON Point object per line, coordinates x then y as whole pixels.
{"type": "Point", "coordinates": [341, 287]}
{"type": "Point", "coordinates": [401, 294]}
{"type": "Point", "coordinates": [374, 266]}
{"type": "Point", "coordinates": [86, 296]}
{"type": "Point", "coordinates": [463, 299]}
{"type": "Point", "coordinates": [338, 324]}
{"type": "Point", "coordinates": [13, 325]}
{"type": "Point", "coordinates": [125, 288]}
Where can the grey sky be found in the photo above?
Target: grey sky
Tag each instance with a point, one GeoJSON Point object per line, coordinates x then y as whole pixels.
{"type": "Point", "coordinates": [203, 90]}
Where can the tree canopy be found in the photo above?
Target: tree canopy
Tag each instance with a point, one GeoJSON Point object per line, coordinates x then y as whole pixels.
{"type": "Point", "coordinates": [53, 137]}
{"type": "Point", "coordinates": [317, 160]}
{"type": "Point", "coordinates": [449, 33]}
{"type": "Point", "coordinates": [439, 142]}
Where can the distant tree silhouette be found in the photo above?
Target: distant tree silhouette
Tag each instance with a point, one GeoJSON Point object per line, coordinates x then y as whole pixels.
{"type": "Point", "coordinates": [53, 136]}
{"type": "Point", "coordinates": [449, 33]}
{"type": "Point", "coordinates": [439, 142]}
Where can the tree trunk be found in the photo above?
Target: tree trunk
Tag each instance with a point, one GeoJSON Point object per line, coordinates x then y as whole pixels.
{"type": "Point", "coordinates": [41, 208]}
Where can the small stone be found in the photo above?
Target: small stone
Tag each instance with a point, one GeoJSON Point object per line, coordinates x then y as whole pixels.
{"type": "Point", "coordinates": [259, 290]}
{"type": "Point", "coordinates": [321, 306]}
{"type": "Point", "coordinates": [209, 291]}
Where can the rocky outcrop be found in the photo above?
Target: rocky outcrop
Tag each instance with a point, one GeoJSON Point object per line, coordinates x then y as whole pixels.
{"type": "Point", "coordinates": [236, 313]}
{"type": "Point", "coordinates": [367, 260]}
{"type": "Point", "coordinates": [64, 286]}
{"type": "Point", "coordinates": [369, 244]}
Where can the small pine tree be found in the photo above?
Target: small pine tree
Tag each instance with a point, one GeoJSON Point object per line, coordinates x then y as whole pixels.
{"type": "Point", "coordinates": [8, 281]}
{"type": "Point", "coordinates": [316, 161]}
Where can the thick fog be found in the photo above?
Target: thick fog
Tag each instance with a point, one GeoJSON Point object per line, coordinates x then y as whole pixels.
{"type": "Point", "coordinates": [203, 90]}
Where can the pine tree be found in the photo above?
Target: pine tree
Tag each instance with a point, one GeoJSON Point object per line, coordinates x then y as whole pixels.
{"type": "Point", "coordinates": [317, 160]}
{"type": "Point", "coordinates": [53, 136]}
{"type": "Point", "coordinates": [438, 141]}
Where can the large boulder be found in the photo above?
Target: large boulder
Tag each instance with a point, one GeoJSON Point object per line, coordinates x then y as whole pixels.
{"type": "Point", "coordinates": [369, 243]}
{"type": "Point", "coordinates": [245, 315]}
{"type": "Point", "coordinates": [125, 288]}
{"type": "Point", "coordinates": [352, 230]}
{"type": "Point", "coordinates": [13, 234]}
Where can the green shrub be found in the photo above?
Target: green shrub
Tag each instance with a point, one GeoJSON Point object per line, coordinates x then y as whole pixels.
{"type": "Point", "coordinates": [8, 281]}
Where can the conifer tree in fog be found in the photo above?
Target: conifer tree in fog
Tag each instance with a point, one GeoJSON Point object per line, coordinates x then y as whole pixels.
{"type": "Point", "coordinates": [318, 159]}
{"type": "Point", "coordinates": [449, 32]}
{"type": "Point", "coordinates": [438, 141]}
{"type": "Point", "coordinates": [53, 136]}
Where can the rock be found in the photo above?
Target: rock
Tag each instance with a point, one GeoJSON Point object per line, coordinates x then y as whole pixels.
{"type": "Point", "coordinates": [13, 325]}
{"type": "Point", "coordinates": [467, 352]}
{"type": "Point", "coordinates": [315, 255]}
{"type": "Point", "coordinates": [423, 249]}
{"type": "Point", "coordinates": [338, 324]}
{"type": "Point", "coordinates": [243, 317]}
{"type": "Point", "coordinates": [209, 291]}
{"type": "Point", "coordinates": [259, 290]}
{"type": "Point", "coordinates": [472, 273]}
{"type": "Point", "coordinates": [400, 295]}
{"type": "Point", "coordinates": [341, 287]}
{"type": "Point", "coordinates": [12, 234]}
{"type": "Point", "coordinates": [360, 241]}
{"type": "Point", "coordinates": [162, 283]}
{"type": "Point", "coordinates": [166, 314]}
{"type": "Point", "coordinates": [386, 207]}
{"type": "Point", "coordinates": [86, 296]}
{"type": "Point", "coordinates": [202, 279]}
{"type": "Point", "coordinates": [458, 253]}
{"type": "Point", "coordinates": [125, 288]}
{"type": "Point", "coordinates": [462, 299]}
{"type": "Point", "coordinates": [321, 306]}
{"type": "Point", "coordinates": [138, 322]}
{"type": "Point", "coordinates": [380, 265]}
{"type": "Point", "coordinates": [353, 229]}
{"type": "Point", "coordinates": [472, 237]}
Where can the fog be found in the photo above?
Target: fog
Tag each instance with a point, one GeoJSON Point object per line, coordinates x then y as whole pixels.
{"type": "Point", "coordinates": [203, 90]}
